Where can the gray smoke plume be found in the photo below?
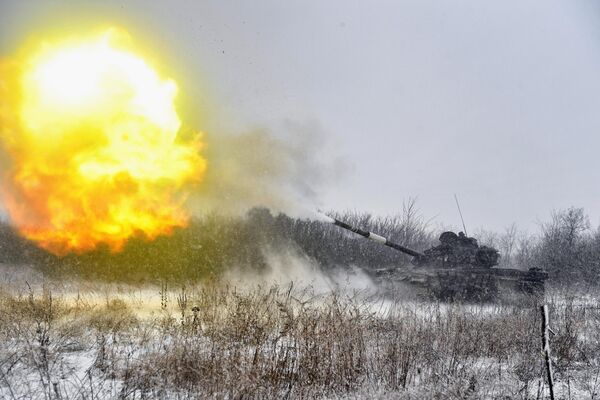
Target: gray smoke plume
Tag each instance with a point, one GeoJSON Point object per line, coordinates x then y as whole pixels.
{"type": "Point", "coordinates": [282, 171]}
{"type": "Point", "coordinates": [290, 266]}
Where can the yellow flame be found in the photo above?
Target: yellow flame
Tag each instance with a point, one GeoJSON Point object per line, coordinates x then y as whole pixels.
{"type": "Point", "coordinates": [92, 133]}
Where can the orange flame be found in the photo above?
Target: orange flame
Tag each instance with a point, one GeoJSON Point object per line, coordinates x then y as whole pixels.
{"type": "Point", "coordinates": [91, 132]}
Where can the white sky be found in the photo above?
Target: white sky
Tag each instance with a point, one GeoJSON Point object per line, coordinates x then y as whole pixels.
{"type": "Point", "coordinates": [495, 101]}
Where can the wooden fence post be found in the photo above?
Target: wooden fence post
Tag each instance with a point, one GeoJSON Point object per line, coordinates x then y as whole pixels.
{"type": "Point", "coordinates": [546, 348]}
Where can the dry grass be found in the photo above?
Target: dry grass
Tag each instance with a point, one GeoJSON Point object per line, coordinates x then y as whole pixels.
{"type": "Point", "coordinates": [279, 342]}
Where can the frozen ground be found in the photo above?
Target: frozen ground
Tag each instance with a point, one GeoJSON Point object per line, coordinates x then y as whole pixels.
{"type": "Point", "coordinates": [96, 341]}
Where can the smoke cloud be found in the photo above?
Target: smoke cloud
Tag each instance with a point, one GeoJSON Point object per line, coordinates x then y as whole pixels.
{"type": "Point", "coordinates": [283, 171]}
{"type": "Point", "coordinates": [286, 265]}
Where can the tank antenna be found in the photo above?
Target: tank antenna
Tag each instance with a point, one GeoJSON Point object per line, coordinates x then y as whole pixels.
{"type": "Point", "coordinates": [460, 212]}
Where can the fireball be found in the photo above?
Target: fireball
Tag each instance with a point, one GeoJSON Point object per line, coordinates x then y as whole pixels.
{"type": "Point", "coordinates": [92, 137]}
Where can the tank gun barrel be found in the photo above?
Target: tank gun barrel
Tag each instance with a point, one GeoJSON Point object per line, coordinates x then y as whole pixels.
{"type": "Point", "coordinates": [377, 238]}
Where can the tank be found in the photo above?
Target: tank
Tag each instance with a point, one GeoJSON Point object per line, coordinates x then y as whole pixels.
{"type": "Point", "coordinates": [456, 269]}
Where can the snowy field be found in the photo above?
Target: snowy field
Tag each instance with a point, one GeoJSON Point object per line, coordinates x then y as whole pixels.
{"type": "Point", "coordinates": [99, 341]}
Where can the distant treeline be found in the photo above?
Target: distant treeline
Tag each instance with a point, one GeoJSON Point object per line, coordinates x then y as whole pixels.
{"type": "Point", "coordinates": [566, 246]}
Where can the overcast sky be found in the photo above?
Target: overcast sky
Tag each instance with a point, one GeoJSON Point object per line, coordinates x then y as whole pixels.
{"type": "Point", "coordinates": [497, 101]}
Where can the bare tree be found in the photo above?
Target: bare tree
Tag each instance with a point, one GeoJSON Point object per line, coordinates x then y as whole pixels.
{"type": "Point", "coordinates": [506, 245]}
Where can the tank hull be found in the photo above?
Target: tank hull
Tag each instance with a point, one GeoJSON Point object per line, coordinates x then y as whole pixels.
{"type": "Point", "coordinates": [462, 283]}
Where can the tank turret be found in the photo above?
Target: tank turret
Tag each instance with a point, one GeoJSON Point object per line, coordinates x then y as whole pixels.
{"type": "Point", "coordinates": [459, 250]}
{"type": "Point", "coordinates": [452, 252]}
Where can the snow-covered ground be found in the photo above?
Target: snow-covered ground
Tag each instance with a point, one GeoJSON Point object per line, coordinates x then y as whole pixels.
{"type": "Point", "coordinates": [87, 340]}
